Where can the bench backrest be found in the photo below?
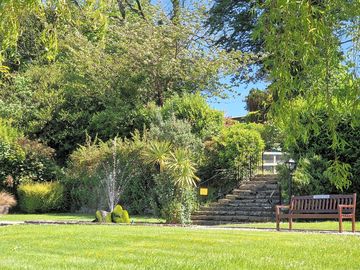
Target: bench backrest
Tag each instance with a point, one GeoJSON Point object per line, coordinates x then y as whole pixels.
{"type": "Point", "coordinates": [321, 203]}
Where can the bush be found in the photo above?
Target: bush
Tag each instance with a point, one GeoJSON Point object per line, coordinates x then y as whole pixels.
{"type": "Point", "coordinates": [98, 216]}
{"type": "Point", "coordinates": [92, 167]}
{"type": "Point", "coordinates": [173, 203]}
{"type": "Point", "coordinates": [77, 190]}
{"type": "Point", "coordinates": [40, 197]}
{"type": "Point", "coordinates": [7, 199]}
{"type": "Point", "coordinates": [119, 215]}
{"type": "Point", "coordinates": [23, 160]}
{"type": "Point", "coordinates": [205, 122]}
{"type": "Point", "coordinates": [238, 145]}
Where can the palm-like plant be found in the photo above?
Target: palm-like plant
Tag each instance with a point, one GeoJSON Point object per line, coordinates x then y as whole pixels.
{"type": "Point", "coordinates": [182, 168]}
{"type": "Point", "coordinates": [157, 153]}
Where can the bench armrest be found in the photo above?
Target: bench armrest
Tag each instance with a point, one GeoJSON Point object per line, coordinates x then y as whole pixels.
{"type": "Point", "coordinates": [280, 207]}
{"type": "Point", "coordinates": [342, 206]}
{"type": "Point", "coordinates": [346, 206]}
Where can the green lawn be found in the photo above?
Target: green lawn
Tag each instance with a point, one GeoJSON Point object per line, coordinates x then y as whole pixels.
{"type": "Point", "coordinates": [144, 247]}
{"type": "Point", "coordinates": [69, 217]}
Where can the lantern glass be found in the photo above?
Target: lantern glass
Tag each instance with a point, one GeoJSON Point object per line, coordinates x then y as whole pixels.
{"type": "Point", "coordinates": [291, 164]}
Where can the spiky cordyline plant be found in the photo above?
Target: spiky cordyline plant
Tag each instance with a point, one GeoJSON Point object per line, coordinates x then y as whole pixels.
{"type": "Point", "coordinates": [182, 168]}
{"type": "Point", "coordinates": [157, 153]}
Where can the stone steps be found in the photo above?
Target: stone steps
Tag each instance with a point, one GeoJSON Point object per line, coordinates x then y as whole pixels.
{"type": "Point", "coordinates": [248, 203]}
{"type": "Point", "coordinates": [232, 218]}
{"type": "Point", "coordinates": [237, 212]}
{"type": "Point", "coordinates": [237, 208]}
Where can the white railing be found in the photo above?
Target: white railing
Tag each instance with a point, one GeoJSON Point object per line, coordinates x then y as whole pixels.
{"type": "Point", "coordinates": [270, 160]}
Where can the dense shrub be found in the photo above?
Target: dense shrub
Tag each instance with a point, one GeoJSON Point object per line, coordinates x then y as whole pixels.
{"type": "Point", "coordinates": [175, 131]}
{"type": "Point", "coordinates": [319, 166]}
{"type": "Point", "coordinates": [23, 160]}
{"type": "Point", "coordinates": [237, 146]}
{"type": "Point", "coordinates": [77, 190]}
{"type": "Point", "coordinates": [40, 197]}
{"type": "Point", "coordinates": [119, 215]}
{"type": "Point", "coordinates": [205, 122]}
{"type": "Point", "coordinates": [230, 156]}
{"type": "Point", "coordinates": [103, 169]}
{"type": "Point", "coordinates": [173, 203]}
{"type": "Point", "coordinates": [7, 199]}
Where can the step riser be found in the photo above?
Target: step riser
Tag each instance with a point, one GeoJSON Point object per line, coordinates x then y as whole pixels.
{"type": "Point", "coordinates": [219, 222]}
{"type": "Point", "coordinates": [231, 209]}
{"type": "Point", "coordinates": [249, 197]}
{"type": "Point", "coordinates": [258, 187]}
{"type": "Point", "coordinates": [232, 213]}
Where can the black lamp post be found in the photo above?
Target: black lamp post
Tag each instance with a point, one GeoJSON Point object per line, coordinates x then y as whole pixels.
{"type": "Point", "coordinates": [291, 165]}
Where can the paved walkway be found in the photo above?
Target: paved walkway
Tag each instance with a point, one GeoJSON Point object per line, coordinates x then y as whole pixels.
{"type": "Point", "coordinates": [51, 222]}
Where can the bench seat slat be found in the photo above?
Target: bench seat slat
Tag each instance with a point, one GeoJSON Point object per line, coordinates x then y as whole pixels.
{"type": "Point", "coordinates": [314, 216]}
{"type": "Point", "coordinates": [321, 211]}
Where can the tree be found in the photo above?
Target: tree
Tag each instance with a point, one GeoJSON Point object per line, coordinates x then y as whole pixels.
{"type": "Point", "coordinates": [307, 67]}
{"type": "Point", "coordinates": [97, 84]}
{"type": "Point", "coordinates": [258, 104]}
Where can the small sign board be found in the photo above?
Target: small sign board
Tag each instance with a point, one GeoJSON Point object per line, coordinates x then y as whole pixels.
{"type": "Point", "coordinates": [321, 196]}
{"type": "Point", "coordinates": [203, 191]}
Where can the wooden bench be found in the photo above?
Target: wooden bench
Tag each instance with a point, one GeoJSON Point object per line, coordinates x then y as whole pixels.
{"type": "Point", "coordinates": [318, 206]}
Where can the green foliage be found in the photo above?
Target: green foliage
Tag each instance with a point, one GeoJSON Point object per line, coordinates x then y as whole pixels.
{"type": "Point", "coordinates": [309, 72]}
{"type": "Point", "coordinates": [24, 160]}
{"type": "Point", "coordinates": [258, 103]}
{"type": "Point", "coordinates": [319, 169]}
{"type": "Point", "coordinates": [174, 130]}
{"type": "Point", "coordinates": [108, 218]}
{"type": "Point", "coordinates": [98, 83]}
{"type": "Point", "coordinates": [107, 167]}
{"type": "Point", "coordinates": [182, 168]}
{"type": "Point", "coordinates": [40, 197]}
{"type": "Point", "coordinates": [98, 216]}
{"type": "Point", "coordinates": [119, 215]}
{"type": "Point", "coordinates": [157, 153]}
{"type": "Point", "coordinates": [238, 145]}
{"type": "Point", "coordinates": [205, 122]}
{"type": "Point", "coordinates": [234, 24]}
{"type": "Point", "coordinates": [173, 203]}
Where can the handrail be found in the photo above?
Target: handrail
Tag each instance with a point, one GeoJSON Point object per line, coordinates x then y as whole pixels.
{"type": "Point", "coordinates": [243, 172]}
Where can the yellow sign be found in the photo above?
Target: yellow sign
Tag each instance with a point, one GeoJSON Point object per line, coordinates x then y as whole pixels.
{"type": "Point", "coordinates": [203, 191]}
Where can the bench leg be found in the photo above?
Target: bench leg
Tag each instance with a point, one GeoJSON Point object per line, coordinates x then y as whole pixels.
{"type": "Point", "coordinates": [340, 224]}
{"type": "Point", "coordinates": [353, 223]}
{"type": "Point", "coordinates": [277, 223]}
{"type": "Point", "coordinates": [290, 223]}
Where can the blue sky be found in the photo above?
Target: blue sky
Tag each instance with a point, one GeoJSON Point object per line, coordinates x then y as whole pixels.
{"type": "Point", "coordinates": [235, 106]}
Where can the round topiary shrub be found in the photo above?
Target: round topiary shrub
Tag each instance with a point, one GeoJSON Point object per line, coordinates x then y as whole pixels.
{"type": "Point", "coordinates": [119, 215]}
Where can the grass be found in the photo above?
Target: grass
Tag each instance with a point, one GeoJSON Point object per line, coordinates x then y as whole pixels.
{"type": "Point", "coordinates": [319, 225]}
{"type": "Point", "coordinates": [69, 217]}
{"type": "Point", "coordinates": [143, 247]}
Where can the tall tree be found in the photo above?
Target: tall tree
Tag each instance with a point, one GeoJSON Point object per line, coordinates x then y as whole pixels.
{"type": "Point", "coordinates": [308, 66]}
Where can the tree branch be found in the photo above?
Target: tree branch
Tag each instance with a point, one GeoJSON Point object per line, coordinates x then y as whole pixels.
{"type": "Point", "coordinates": [122, 8]}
